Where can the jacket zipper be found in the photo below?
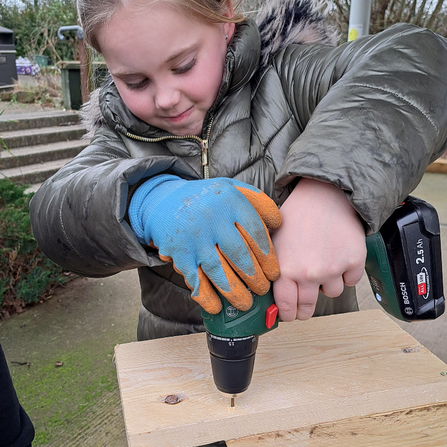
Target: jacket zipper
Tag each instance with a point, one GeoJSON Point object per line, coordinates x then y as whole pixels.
{"type": "Point", "coordinates": [203, 144]}
{"type": "Point", "coordinates": [205, 150]}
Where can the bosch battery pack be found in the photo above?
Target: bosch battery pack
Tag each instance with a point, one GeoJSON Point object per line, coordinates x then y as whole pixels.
{"type": "Point", "coordinates": [404, 264]}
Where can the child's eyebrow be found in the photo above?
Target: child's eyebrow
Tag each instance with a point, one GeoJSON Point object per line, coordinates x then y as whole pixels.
{"type": "Point", "coordinates": [122, 74]}
{"type": "Point", "coordinates": [182, 51]}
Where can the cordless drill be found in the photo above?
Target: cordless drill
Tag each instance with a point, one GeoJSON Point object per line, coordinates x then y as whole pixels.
{"type": "Point", "coordinates": [405, 273]}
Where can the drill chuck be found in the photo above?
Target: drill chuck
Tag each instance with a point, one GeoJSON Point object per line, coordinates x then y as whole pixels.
{"type": "Point", "coordinates": [232, 362]}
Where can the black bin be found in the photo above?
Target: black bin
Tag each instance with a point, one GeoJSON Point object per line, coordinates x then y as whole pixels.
{"type": "Point", "coordinates": [8, 70]}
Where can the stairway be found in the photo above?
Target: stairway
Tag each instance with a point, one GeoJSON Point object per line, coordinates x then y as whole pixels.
{"type": "Point", "coordinates": [38, 144]}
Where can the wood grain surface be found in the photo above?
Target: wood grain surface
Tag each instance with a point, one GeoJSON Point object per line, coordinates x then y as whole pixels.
{"type": "Point", "coordinates": [353, 373]}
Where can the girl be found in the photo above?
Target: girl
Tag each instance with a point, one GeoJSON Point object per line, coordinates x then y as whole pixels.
{"type": "Point", "coordinates": [202, 106]}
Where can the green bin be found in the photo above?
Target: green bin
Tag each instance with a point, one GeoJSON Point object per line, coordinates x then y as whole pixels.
{"type": "Point", "coordinates": [71, 85]}
{"type": "Point", "coordinates": [41, 60]}
{"type": "Point", "coordinates": [71, 81]}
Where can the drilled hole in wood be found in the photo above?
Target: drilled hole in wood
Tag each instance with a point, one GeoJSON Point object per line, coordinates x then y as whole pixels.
{"type": "Point", "coordinates": [173, 399]}
{"type": "Point", "coordinates": [408, 350]}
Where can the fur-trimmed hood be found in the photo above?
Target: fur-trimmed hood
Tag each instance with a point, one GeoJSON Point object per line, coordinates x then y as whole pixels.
{"type": "Point", "coordinates": [280, 23]}
{"type": "Point", "coordinates": [283, 22]}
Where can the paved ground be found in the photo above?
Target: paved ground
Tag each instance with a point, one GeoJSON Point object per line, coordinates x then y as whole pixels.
{"type": "Point", "coordinates": [9, 108]}
{"type": "Point", "coordinates": [77, 404]}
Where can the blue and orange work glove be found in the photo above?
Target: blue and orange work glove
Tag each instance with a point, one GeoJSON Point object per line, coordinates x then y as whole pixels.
{"type": "Point", "coordinates": [214, 231]}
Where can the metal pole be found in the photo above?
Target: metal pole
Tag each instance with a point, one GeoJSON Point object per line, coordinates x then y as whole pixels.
{"type": "Point", "coordinates": [85, 70]}
{"type": "Point", "coordinates": [359, 17]}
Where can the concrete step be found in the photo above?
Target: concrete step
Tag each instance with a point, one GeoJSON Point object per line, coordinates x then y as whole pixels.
{"type": "Point", "coordinates": [35, 173]}
{"type": "Point", "coordinates": [38, 143]}
{"type": "Point", "coordinates": [34, 120]}
{"type": "Point", "coordinates": [14, 158]}
{"type": "Point", "coordinates": [40, 136]}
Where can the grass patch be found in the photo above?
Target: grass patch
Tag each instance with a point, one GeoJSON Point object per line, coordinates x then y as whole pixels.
{"type": "Point", "coordinates": [60, 397]}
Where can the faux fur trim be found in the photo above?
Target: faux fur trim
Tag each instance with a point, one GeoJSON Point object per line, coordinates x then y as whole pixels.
{"type": "Point", "coordinates": [282, 22]}
{"type": "Point", "coordinates": [90, 115]}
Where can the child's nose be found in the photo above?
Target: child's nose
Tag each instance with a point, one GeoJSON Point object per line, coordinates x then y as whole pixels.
{"type": "Point", "coordinates": [166, 97]}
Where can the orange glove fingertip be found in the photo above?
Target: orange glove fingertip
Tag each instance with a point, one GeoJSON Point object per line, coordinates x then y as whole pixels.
{"type": "Point", "coordinates": [210, 306]}
{"type": "Point", "coordinates": [264, 206]}
{"type": "Point", "coordinates": [268, 262]}
{"type": "Point", "coordinates": [207, 297]}
{"type": "Point", "coordinates": [239, 297]}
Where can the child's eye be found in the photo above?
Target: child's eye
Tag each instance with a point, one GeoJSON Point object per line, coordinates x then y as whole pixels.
{"type": "Point", "coordinates": [137, 85]}
{"type": "Point", "coordinates": [185, 68]}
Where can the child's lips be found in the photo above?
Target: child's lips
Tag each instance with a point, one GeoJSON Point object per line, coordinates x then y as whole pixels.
{"type": "Point", "coordinates": [179, 117]}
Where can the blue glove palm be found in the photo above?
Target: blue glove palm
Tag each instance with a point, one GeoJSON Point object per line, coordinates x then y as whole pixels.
{"type": "Point", "coordinates": [215, 231]}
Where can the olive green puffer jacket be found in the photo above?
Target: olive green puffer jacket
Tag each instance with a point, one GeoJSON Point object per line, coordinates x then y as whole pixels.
{"type": "Point", "coordinates": [367, 116]}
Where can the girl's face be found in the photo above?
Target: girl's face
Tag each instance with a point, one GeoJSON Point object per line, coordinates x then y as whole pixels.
{"type": "Point", "coordinates": [167, 67]}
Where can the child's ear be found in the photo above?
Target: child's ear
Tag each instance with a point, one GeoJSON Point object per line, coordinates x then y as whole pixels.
{"type": "Point", "coordinates": [228, 31]}
{"type": "Point", "coordinates": [228, 27]}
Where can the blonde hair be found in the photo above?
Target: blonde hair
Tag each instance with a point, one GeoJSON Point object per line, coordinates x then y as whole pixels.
{"type": "Point", "coordinates": [95, 13]}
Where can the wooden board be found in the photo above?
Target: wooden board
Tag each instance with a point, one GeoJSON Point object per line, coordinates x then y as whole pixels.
{"type": "Point", "coordinates": [439, 166]}
{"type": "Point", "coordinates": [350, 374]}
{"type": "Point", "coordinates": [416, 427]}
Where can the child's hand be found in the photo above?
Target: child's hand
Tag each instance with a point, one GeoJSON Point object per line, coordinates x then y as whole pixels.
{"type": "Point", "coordinates": [215, 232]}
{"type": "Point", "coordinates": [320, 245]}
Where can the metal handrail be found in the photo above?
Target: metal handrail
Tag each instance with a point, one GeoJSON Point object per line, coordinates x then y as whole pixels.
{"type": "Point", "coordinates": [77, 28]}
